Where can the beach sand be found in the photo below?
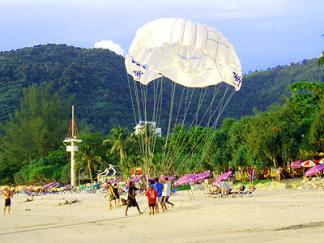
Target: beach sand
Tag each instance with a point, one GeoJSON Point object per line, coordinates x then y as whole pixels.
{"type": "Point", "coordinates": [269, 216]}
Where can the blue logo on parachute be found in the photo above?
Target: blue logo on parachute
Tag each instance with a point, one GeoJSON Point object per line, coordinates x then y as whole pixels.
{"type": "Point", "coordinates": [237, 77]}
{"type": "Point", "coordinates": [138, 73]}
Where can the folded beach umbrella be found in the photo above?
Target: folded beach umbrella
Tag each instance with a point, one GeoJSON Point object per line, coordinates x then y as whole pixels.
{"type": "Point", "coordinates": [315, 170]}
{"type": "Point", "coordinates": [308, 164]}
{"type": "Point", "coordinates": [222, 177]}
{"type": "Point", "coordinates": [296, 164]}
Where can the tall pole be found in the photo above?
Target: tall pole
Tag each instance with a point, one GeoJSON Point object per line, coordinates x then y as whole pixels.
{"type": "Point", "coordinates": [73, 125]}
{"type": "Point", "coordinates": [72, 166]}
{"type": "Point", "coordinates": [71, 142]}
{"type": "Point", "coordinates": [72, 152]}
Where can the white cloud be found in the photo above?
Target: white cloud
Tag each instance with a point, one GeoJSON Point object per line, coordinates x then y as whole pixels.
{"type": "Point", "coordinates": [110, 45]}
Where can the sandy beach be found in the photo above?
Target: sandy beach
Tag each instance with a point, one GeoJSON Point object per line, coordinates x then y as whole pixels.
{"type": "Point", "coordinates": [269, 216]}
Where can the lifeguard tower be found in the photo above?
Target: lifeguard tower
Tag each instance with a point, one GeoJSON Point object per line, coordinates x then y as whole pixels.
{"type": "Point", "coordinates": [71, 140]}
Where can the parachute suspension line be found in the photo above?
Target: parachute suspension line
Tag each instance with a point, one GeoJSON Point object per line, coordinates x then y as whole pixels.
{"type": "Point", "coordinates": [146, 129]}
{"type": "Point", "coordinates": [214, 96]}
{"type": "Point", "coordinates": [207, 142]}
{"type": "Point", "coordinates": [170, 117]}
{"type": "Point", "coordinates": [176, 120]}
{"type": "Point", "coordinates": [135, 107]}
{"type": "Point", "coordinates": [203, 137]}
{"type": "Point", "coordinates": [223, 108]}
{"type": "Point", "coordinates": [179, 108]}
{"type": "Point", "coordinates": [211, 138]}
{"type": "Point", "coordinates": [159, 108]}
{"type": "Point", "coordinates": [179, 144]}
{"type": "Point", "coordinates": [131, 96]}
{"type": "Point", "coordinates": [168, 150]}
{"type": "Point", "coordinates": [200, 102]}
{"type": "Point", "coordinates": [153, 136]}
{"type": "Point", "coordinates": [138, 102]}
{"type": "Point", "coordinates": [155, 85]}
{"type": "Point", "coordinates": [187, 106]}
{"type": "Point", "coordinates": [170, 111]}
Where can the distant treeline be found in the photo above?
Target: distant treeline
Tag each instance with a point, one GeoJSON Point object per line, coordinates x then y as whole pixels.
{"type": "Point", "coordinates": [32, 150]}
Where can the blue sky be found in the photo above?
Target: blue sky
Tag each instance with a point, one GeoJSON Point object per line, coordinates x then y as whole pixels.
{"type": "Point", "coordinates": [265, 33]}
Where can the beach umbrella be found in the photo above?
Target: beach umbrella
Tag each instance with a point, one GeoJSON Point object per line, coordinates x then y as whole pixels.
{"type": "Point", "coordinates": [170, 178]}
{"type": "Point", "coordinates": [296, 164]}
{"type": "Point", "coordinates": [308, 164]}
{"type": "Point", "coordinates": [49, 185]}
{"type": "Point", "coordinates": [315, 170]}
{"type": "Point", "coordinates": [186, 179]}
{"type": "Point", "coordinates": [321, 161]}
{"type": "Point", "coordinates": [202, 176]}
{"type": "Point", "coordinates": [222, 177]}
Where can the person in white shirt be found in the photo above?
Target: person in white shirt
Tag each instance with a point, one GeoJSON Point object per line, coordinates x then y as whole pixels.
{"type": "Point", "coordinates": [166, 194]}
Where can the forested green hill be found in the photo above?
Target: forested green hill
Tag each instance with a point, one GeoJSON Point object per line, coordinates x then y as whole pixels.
{"type": "Point", "coordinates": [97, 80]}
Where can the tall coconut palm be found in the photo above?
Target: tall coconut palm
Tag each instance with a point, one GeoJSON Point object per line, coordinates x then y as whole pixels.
{"type": "Point", "coordinates": [89, 157]}
{"type": "Point", "coordinates": [118, 140]}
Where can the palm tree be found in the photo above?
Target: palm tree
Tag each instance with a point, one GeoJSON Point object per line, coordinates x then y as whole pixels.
{"type": "Point", "coordinates": [89, 156]}
{"type": "Point", "coordinates": [118, 140]}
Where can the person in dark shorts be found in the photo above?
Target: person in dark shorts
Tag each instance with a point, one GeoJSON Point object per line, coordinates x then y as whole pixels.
{"type": "Point", "coordinates": [116, 194]}
{"type": "Point", "coordinates": [8, 194]}
{"type": "Point", "coordinates": [131, 200]}
{"type": "Point", "coordinates": [152, 195]}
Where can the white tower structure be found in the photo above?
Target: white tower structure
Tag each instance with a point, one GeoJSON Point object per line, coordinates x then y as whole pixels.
{"type": "Point", "coordinates": [71, 142]}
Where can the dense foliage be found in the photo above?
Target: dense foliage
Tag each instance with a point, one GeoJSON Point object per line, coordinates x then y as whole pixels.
{"type": "Point", "coordinates": [97, 81]}
{"type": "Point", "coordinates": [39, 84]}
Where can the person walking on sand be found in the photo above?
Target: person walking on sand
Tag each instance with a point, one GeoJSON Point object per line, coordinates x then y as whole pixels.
{"type": "Point", "coordinates": [116, 192]}
{"type": "Point", "coordinates": [158, 188]}
{"type": "Point", "coordinates": [111, 195]}
{"type": "Point", "coordinates": [7, 194]}
{"type": "Point", "coordinates": [166, 194]}
{"type": "Point", "coordinates": [131, 200]}
{"type": "Point", "coordinates": [151, 194]}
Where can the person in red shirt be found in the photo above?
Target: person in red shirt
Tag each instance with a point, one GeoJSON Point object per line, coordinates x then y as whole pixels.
{"type": "Point", "coordinates": [151, 195]}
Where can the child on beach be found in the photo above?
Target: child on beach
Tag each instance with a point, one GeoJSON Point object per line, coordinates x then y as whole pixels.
{"type": "Point", "coordinates": [151, 194]}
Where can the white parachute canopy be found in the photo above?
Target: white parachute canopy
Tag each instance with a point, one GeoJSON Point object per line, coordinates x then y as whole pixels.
{"type": "Point", "coordinates": [184, 74]}
{"type": "Point", "coordinates": [191, 54]}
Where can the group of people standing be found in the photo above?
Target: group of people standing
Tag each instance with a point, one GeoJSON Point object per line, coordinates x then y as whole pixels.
{"type": "Point", "coordinates": [158, 195]}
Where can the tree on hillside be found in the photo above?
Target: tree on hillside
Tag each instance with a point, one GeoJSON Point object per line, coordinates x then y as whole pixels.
{"type": "Point", "coordinates": [321, 60]}
{"type": "Point", "coordinates": [35, 129]}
